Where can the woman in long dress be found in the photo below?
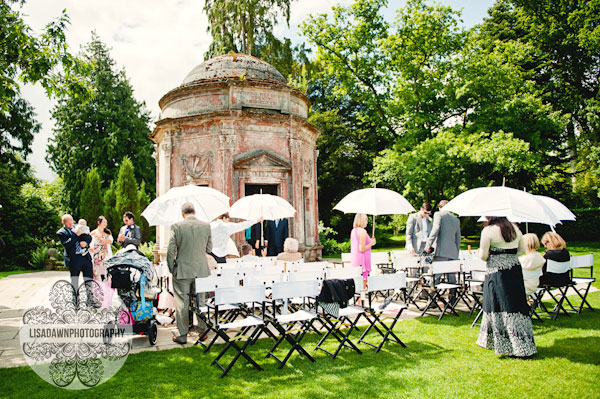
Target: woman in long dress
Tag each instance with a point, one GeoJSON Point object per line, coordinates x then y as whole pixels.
{"type": "Point", "coordinates": [101, 241]}
{"type": "Point", "coordinates": [506, 324]}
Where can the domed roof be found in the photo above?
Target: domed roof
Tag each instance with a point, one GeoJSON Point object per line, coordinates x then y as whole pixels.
{"type": "Point", "coordinates": [234, 66]}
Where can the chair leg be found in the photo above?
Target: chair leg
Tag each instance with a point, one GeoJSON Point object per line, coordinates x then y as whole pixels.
{"type": "Point", "coordinates": [583, 298]}
{"type": "Point", "coordinates": [477, 318]}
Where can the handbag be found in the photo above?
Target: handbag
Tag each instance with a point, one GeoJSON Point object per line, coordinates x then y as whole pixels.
{"type": "Point", "coordinates": [120, 278]}
{"type": "Point", "coordinates": [141, 310]}
{"type": "Point", "coordinates": [166, 300]}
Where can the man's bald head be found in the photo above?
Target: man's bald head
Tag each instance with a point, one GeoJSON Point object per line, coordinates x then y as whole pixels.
{"type": "Point", "coordinates": [67, 221]}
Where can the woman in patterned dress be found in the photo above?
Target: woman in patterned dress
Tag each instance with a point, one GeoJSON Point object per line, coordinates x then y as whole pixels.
{"type": "Point", "coordinates": [101, 240]}
{"type": "Point", "coordinates": [506, 325]}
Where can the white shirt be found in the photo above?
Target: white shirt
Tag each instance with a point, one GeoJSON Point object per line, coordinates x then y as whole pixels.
{"type": "Point", "coordinates": [424, 232]}
{"type": "Point", "coordinates": [220, 232]}
{"type": "Point", "coordinates": [491, 237]}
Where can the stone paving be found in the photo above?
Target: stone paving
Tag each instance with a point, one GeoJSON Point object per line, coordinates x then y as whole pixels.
{"type": "Point", "coordinates": [16, 291]}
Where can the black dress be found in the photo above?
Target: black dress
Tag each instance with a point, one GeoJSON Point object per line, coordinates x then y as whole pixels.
{"type": "Point", "coordinates": [556, 279]}
{"type": "Point", "coordinates": [506, 325]}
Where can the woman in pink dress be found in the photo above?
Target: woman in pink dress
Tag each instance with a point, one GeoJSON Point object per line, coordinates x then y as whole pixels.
{"type": "Point", "coordinates": [100, 247]}
{"type": "Point", "coordinates": [360, 246]}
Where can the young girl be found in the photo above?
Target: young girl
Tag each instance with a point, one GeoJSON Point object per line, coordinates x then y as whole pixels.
{"type": "Point", "coordinates": [531, 263]}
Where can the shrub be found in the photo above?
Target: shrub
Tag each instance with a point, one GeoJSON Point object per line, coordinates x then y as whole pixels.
{"type": "Point", "coordinates": [146, 248]}
{"type": "Point", "coordinates": [39, 258]}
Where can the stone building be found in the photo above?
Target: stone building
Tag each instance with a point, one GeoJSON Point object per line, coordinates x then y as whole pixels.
{"type": "Point", "coordinates": [236, 126]}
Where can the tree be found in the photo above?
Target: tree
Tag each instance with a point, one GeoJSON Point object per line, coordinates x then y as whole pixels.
{"type": "Point", "coordinates": [91, 205]}
{"type": "Point", "coordinates": [100, 132]}
{"type": "Point", "coordinates": [237, 26]}
{"type": "Point", "coordinates": [110, 209]}
{"type": "Point", "coordinates": [126, 189]}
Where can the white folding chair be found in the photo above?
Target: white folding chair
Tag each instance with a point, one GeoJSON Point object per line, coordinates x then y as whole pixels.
{"type": "Point", "coordinates": [380, 263]}
{"type": "Point", "coordinates": [474, 270]}
{"type": "Point", "coordinates": [346, 259]}
{"type": "Point", "coordinates": [249, 327]}
{"type": "Point", "coordinates": [411, 266]}
{"type": "Point", "coordinates": [436, 290]}
{"type": "Point", "coordinates": [582, 262]}
{"type": "Point", "coordinates": [286, 323]}
{"type": "Point", "coordinates": [287, 265]}
{"type": "Point", "coordinates": [384, 283]}
{"type": "Point", "coordinates": [346, 273]}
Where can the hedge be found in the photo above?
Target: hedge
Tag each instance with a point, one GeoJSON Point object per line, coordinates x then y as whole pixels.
{"type": "Point", "coordinates": [585, 228]}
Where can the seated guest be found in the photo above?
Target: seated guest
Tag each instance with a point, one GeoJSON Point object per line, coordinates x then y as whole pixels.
{"type": "Point", "coordinates": [247, 255]}
{"type": "Point", "coordinates": [290, 251]}
{"type": "Point", "coordinates": [556, 251]}
{"type": "Point", "coordinates": [531, 263]}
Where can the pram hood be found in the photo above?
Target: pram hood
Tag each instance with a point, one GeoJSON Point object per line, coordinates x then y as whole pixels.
{"type": "Point", "coordinates": [133, 257]}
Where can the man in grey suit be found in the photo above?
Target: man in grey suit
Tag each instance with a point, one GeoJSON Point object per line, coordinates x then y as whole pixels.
{"type": "Point", "coordinates": [418, 227]}
{"type": "Point", "coordinates": [445, 235]}
{"type": "Point", "coordinates": [186, 258]}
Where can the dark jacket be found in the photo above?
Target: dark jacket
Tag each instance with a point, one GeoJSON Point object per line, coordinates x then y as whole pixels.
{"type": "Point", "coordinates": [556, 279]}
{"type": "Point", "coordinates": [68, 240]}
{"type": "Point", "coordinates": [276, 236]}
{"type": "Point", "coordinates": [339, 291]}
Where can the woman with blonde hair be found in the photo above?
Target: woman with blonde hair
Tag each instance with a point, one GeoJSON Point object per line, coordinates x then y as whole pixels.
{"type": "Point", "coordinates": [531, 263]}
{"type": "Point", "coordinates": [360, 245]}
{"type": "Point", "coordinates": [556, 251]}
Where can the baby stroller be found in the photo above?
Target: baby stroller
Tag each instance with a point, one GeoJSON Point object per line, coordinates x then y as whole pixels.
{"type": "Point", "coordinates": [130, 274]}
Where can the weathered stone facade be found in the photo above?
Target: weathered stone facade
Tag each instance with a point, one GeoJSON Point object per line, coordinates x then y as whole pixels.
{"type": "Point", "coordinates": [232, 125]}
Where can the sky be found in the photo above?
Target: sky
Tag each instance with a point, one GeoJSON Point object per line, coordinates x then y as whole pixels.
{"type": "Point", "coordinates": [158, 42]}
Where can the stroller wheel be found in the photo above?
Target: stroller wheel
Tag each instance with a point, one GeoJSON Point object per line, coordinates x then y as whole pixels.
{"type": "Point", "coordinates": [152, 333]}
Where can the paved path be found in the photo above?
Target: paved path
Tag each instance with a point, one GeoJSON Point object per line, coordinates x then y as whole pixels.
{"type": "Point", "coordinates": [16, 291]}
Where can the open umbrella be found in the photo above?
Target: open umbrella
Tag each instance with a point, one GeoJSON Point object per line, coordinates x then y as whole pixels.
{"type": "Point", "coordinates": [374, 201]}
{"type": "Point", "coordinates": [166, 209]}
{"type": "Point", "coordinates": [557, 207]}
{"type": "Point", "coordinates": [514, 204]}
{"type": "Point", "coordinates": [267, 206]}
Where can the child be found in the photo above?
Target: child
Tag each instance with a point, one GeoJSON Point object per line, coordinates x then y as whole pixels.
{"type": "Point", "coordinates": [531, 263]}
{"type": "Point", "coordinates": [83, 231]}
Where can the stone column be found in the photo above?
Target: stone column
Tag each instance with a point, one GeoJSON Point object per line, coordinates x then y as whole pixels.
{"type": "Point", "coordinates": [165, 150]}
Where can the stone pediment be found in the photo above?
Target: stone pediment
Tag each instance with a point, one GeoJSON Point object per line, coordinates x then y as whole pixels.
{"type": "Point", "coordinates": [261, 158]}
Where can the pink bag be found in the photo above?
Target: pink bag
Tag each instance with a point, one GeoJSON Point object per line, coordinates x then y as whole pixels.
{"type": "Point", "coordinates": [166, 300]}
{"type": "Point", "coordinates": [125, 317]}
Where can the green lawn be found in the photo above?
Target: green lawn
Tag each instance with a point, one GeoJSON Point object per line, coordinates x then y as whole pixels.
{"type": "Point", "coordinates": [5, 274]}
{"type": "Point", "coordinates": [441, 360]}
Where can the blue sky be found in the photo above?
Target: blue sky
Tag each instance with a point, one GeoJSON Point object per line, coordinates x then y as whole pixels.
{"type": "Point", "coordinates": [158, 42]}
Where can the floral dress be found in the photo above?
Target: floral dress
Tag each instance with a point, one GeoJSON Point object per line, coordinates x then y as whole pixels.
{"type": "Point", "coordinates": [100, 254]}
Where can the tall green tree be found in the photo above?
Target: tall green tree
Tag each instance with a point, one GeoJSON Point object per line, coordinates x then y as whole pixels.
{"type": "Point", "coordinates": [92, 204]}
{"type": "Point", "coordinates": [237, 26]}
{"type": "Point", "coordinates": [110, 209]}
{"type": "Point", "coordinates": [126, 190]}
{"type": "Point", "coordinates": [100, 132]}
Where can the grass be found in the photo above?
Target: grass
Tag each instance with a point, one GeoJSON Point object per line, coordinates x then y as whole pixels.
{"type": "Point", "coordinates": [11, 272]}
{"type": "Point", "coordinates": [441, 360]}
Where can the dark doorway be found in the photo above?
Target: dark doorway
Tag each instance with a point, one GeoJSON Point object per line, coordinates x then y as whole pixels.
{"type": "Point", "coordinates": [255, 189]}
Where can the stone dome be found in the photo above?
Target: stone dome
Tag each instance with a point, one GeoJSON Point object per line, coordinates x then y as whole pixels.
{"type": "Point", "coordinates": [234, 66]}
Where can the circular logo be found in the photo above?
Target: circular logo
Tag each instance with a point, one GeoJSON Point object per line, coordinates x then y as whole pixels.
{"type": "Point", "coordinates": [76, 338]}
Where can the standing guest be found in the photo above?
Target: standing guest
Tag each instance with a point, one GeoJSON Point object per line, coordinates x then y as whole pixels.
{"type": "Point", "coordinates": [101, 241]}
{"type": "Point", "coordinates": [418, 227]}
{"type": "Point", "coordinates": [506, 325]}
{"type": "Point", "coordinates": [360, 246]}
{"type": "Point", "coordinates": [290, 251]}
{"type": "Point", "coordinates": [76, 262]}
{"type": "Point", "coordinates": [221, 229]}
{"type": "Point", "coordinates": [531, 263]}
{"type": "Point", "coordinates": [254, 234]}
{"type": "Point", "coordinates": [275, 234]}
{"type": "Point", "coordinates": [186, 258]}
{"type": "Point", "coordinates": [130, 233]}
{"type": "Point", "coordinates": [445, 235]}
{"type": "Point", "coordinates": [556, 251]}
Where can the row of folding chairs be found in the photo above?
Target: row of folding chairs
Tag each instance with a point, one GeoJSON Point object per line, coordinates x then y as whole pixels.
{"type": "Point", "coordinates": [239, 315]}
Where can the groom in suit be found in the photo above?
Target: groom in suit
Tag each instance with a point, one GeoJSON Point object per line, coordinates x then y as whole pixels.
{"type": "Point", "coordinates": [275, 234]}
{"type": "Point", "coordinates": [418, 227]}
{"type": "Point", "coordinates": [76, 262]}
{"type": "Point", "coordinates": [186, 258]}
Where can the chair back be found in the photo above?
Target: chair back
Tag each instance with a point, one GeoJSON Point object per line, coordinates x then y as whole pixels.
{"type": "Point", "coordinates": [290, 266]}
{"type": "Point", "coordinates": [401, 261]}
{"type": "Point", "coordinates": [472, 263]}
{"type": "Point", "coordinates": [310, 266]}
{"type": "Point", "coordinates": [346, 257]}
{"type": "Point", "coordinates": [380, 257]}
{"type": "Point", "coordinates": [212, 282]}
{"type": "Point", "coordinates": [295, 289]}
{"type": "Point", "coordinates": [557, 267]}
{"type": "Point", "coordinates": [532, 274]}
{"type": "Point", "coordinates": [580, 261]}
{"type": "Point", "coordinates": [447, 266]}
{"type": "Point", "coordinates": [263, 278]}
{"type": "Point", "coordinates": [239, 273]}
{"type": "Point", "coordinates": [305, 275]}
{"type": "Point", "coordinates": [250, 293]}
{"type": "Point", "coordinates": [384, 282]}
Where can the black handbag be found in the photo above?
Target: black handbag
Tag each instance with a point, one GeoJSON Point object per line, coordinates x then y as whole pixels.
{"type": "Point", "coordinates": [120, 278]}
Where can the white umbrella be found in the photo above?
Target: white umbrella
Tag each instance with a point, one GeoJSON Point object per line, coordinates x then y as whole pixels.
{"type": "Point", "coordinates": [267, 206]}
{"type": "Point", "coordinates": [559, 211]}
{"type": "Point", "coordinates": [374, 201]}
{"type": "Point", "coordinates": [166, 209]}
{"type": "Point", "coordinates": [514, 204]}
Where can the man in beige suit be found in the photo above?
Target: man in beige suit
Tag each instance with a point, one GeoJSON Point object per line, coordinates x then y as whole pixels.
{"type": "Point", "coordinates": [186, 258]}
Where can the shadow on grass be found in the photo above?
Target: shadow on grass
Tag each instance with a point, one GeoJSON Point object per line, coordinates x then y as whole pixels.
{"type": "Point", "coordinates": [585, 350]}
